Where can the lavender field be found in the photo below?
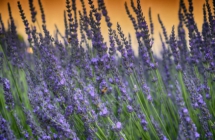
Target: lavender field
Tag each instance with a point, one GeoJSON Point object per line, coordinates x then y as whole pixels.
{"type": "Point", "coordinates": [75, 85]}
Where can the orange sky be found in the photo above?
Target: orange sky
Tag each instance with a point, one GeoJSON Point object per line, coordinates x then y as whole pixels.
{"type": "Point", "coordinates": [168, 10]}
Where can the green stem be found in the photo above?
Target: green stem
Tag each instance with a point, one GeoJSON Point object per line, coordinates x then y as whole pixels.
{"type": "Point", "coordinates": [161, 121]}
{"type": "Point", "coordinates": [13, 77]}
{"type": "Point", "coordinates": [147, 117]}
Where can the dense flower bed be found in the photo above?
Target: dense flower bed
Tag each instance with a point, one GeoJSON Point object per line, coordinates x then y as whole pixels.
{"type": "Point", "coordinates": [86, 88]}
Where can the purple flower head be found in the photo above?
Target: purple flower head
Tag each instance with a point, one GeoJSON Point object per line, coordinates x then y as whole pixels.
{"type": "Point", "coordinates": [131, 65]}
{"type": "Point", "coordinates": [50, 106]}
{"type": "Point", "coordinates": [144, 122]}
{"type": "Point", "coordinates": [104, 12]}
{"type": "Point", "coordinates": [42, 11]}
{"type": "Point", "coordinates": [9, 100]}
{"type": "Point", "coordinates": [138, 34]}
{"type": "Point", "coordinates": [146, 88]}
{"type": "Point", "coordinates": [152, 65]}
{"type": "Point", "coordinates": [104, 46]}
{"type": "Point", "coordinates": [98, 78]}
{"type": "Point", "coordinates": [208, 135]}
{"type": "Point", "coordinates": [123, 90]}
{"type": "Point", "coordinates": [197, 135]}
{"type": "Point", "coordinates": [46, 137]}
{"type": "Point", "coordinates": [188, 119]}
{"type": "Point", "coordinates": [6, 84]}
{"type": "Point", "coordinates": [94, 61]}
{"type": "Point", "coordinates": [107, 19]}
{"type": "Point", "coordinates": [196, 105]}
{"type": "Point", "coordinates": [1, 58]}
{"type": "Point", "coordinates": [117, 80]}
{"type": "Point", "coordinates": [200, 101]}
{"type": "Point", "coordinates": [55, 136]}
{"type": "Point", "coordinates": [208, 96]}
{"type": "Point", "coordinates": [98, 16]}
{"type": "Point", "coordinates": [178, 67]}
{"type": "Point", "coordinates": [5, 132]}
{"type": "Point", "coordinates": [105, 57]}
{"type": "Point", "coordinates": [104, 112]}
{"type": "Point", "coordinates": [118, 126]}
{"type": "Point", "coordinates": [33, 11]}
{"type": "Point", "coordinates": [149, 97]}
{"type": "Point", "coordinates": [185, 111]}
{"type": "Point", "coordinates": [103, 84]}
{"type": "Point", "coordinates": [111, 80]}
{"type": "Point", "coordinates": [62, 81]}
{"type": "Point", "coordinates": [129, 108]}
{"type": "Point", "coordinates": [26, 135]}
{"type": "Point", "coordinates": [109, 24]}
{"type": "Point", "coordinates": [68, 111]}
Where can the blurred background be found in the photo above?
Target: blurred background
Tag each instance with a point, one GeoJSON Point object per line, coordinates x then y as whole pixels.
{"type": "Point", "coordinates": [54, 10]}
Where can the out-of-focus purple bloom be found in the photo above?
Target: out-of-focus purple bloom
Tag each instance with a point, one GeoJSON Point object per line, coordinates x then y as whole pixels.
{"type": "Point", "coordinates": [185, 120]}
{"type": "Point", "coordinates": [24, 132]}
{"type": "Point", "coordinates": [94, 61]}
{"type": "Point", "coordinates": [5, 131]}
{"type": "Point", "coordinates": [69, 111]}
{"type": "Point", "coordinates": [129, 108]}
{"type": "Point", "coordinates": [9, 100]}
{"type": "Point", "coordinates": [149, 98]}
{"type": "Point", "coordinates": [118, 126]}
{"type": "Point", "coordinates": [104, 112]}
{"type": "Point", "coordinates": [158, 130]}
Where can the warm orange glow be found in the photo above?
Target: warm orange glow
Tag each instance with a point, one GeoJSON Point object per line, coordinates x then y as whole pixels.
{"type": "Point", "coordinates": [168, 10]}
{"type": "Point", "coordinates": [29, 50]}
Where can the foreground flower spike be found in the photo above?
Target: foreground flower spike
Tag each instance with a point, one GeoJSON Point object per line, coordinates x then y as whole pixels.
{"type": "Point", "coordinates": [158, 130]}
{"type": "Point", "coordinates": [37, 131]}
{"type": "Point", "coordinates": [24, 132]}
{"type": "Point", "coordinates": [9, 100]}
{"type": "Point", "coordinates": [187, 127]}
{"type": "Point", "coordinates": [198, 103]}
{"type": "Point", "coordinates": [5, 131]}
{"type": "Point", "coordinates": [13, 47]}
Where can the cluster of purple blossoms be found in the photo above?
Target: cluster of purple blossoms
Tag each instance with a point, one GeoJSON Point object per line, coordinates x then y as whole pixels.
{"type": "Point", "coordinates": [186, 127]}
{"type": "Point", "coordinates": [88, 88]}
{"type": "Point", "coordinates": [9, 101]}
{"type": "Point", "coordinates": [5, 130]}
